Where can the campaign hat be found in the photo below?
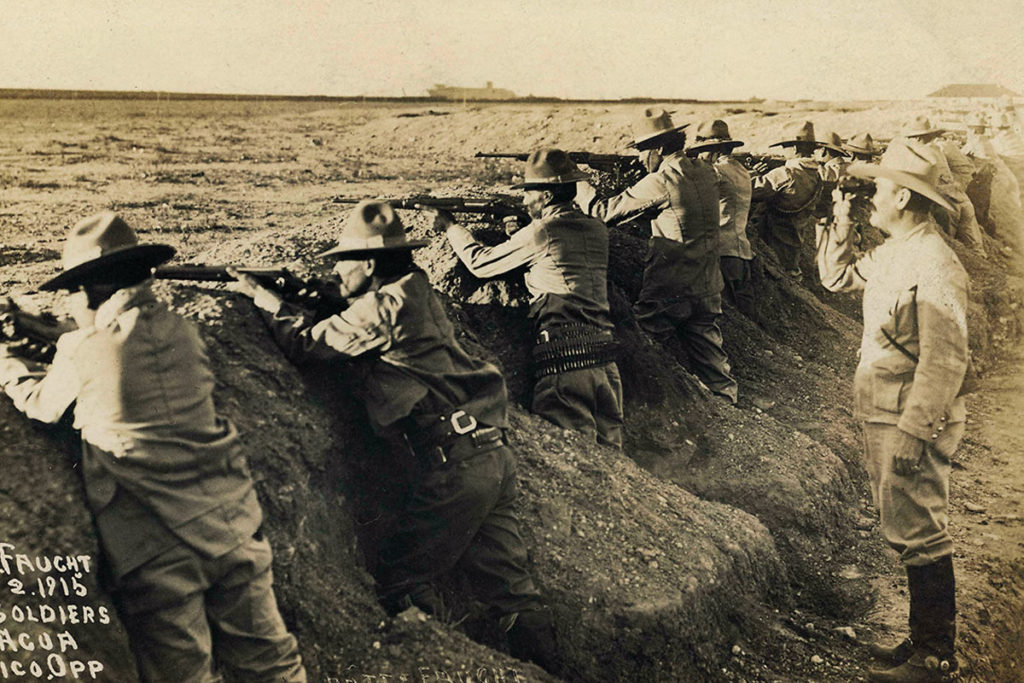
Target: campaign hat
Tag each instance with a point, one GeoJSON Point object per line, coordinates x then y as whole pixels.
{"type": "Point", "coordinates": [651, 124]}
{"type": "Point", "coordinates": [910, 164]}
{"type": "Point", "coordinates": [920, 126]}
{"type": "Point", "coordinates": [100, 247]}
{"type": "Point", "coordinates": [371, 228]}
{"type": "Point", "coordinates": [861, 143]}
{"type": "Point", "coordinates": [796, 132]}
{"type": "Point", "coordinates": [550, 166]}
{"type": "Point", "coordinates": [713, 135]}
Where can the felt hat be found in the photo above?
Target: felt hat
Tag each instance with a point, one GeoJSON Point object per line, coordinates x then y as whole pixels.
{"type": "Point", "coordinates": [829, 139]}
{"type": "Point", "coordinates": [861, 143]}
{"type": "Point", "coordinates": [713, 135]}
{"type": "Point", "coordinates": [651, 124]}
{"type": "Point", "coordinates": [372, 227]}
{"type": "Point", "coordinates": [98, 247]}
{"type": "Point", "coordinates": [550, 166]}
{"type": "Point", "coordinates": [910, 164]}
{"type": "Point", "coordinates": [796, 132]}
{"type": "Point", "coordinates": [920, 127]}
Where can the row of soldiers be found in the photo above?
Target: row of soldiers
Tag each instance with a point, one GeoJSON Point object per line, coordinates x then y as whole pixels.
{"type": "Point", "coordinates": [177, 516]}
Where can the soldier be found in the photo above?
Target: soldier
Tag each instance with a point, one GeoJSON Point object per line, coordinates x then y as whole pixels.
{"type": "Point", "coordinates": [443, 408]}
{"type": "Point", "coordinates": [172, 497]}
{"type": "Point", "coordinates": [831, 155]}
{"type": "Point", "coordinates": [791, 193]}
{"type": "Point", "coordinates": [712, 144]}
{"type": "Point", "coordinates": [566, 258]}
{"type": "Point", "coordinates": [682, 285]}
{"type": "Point", "coordinates": [913, 359]}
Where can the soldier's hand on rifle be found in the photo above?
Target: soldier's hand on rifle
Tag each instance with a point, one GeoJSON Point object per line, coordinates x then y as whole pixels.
{"type": "Point", "coordinates": [512, 224]}
{"type": "Point", "coordinates": [264, 298]}
{"type": "Point", "coordinates": [442, 218]}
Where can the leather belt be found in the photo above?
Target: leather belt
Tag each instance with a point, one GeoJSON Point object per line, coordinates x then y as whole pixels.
{"type": "Point", "coordinates": [453, 438]}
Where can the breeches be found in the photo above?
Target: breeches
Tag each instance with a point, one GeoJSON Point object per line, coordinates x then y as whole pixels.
{"type": "Point", "coordinates": [182, 610]}
{"type": "Point", "coordinates": [587, 400]}
{"type": "Point", "coordinates": [461, 514]}
{"type": "Point", "coordinates": [738, 287]}
{"type": "Point", "coordinates": [912, 508]}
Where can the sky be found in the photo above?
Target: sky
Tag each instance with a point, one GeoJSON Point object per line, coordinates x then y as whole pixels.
{"type": "Point", "coordinates": [727, 49]}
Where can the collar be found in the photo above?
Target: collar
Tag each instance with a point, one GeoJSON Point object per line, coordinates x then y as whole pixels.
{"type": "Point", "coordinates": [918, 230]}
{"type": "Point", "coordinates": [123, 300]}
{"type": "Point", "coordinates": [557, 209]}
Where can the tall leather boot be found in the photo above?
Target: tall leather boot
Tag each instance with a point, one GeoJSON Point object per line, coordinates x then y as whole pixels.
{"type": "Point", "coordinates": [933, 658]}
{"type": "Point", "coordinates": [531, 637]}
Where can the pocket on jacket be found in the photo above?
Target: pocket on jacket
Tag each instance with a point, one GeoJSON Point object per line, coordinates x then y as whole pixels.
{"type": "Point", "coordinates": [888, 392]}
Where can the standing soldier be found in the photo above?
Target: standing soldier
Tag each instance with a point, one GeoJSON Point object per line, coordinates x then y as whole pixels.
{"type": "Point", "coordinates": [913, 358]}
{"type": "Point", "coordinates": [791, 193]}
{"type": "Point", "coordinates": [445, 409]}
{"type": "Point", "coordinates": [174, 504]}
{"type": "Point", "coordinates": [566, 258]}
{"type": "Point", "coordinates": [682, 285]}
{"type": "Point", "coordinates": [713, 144]}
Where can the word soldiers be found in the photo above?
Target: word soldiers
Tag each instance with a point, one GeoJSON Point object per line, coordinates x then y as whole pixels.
{"type": "Point", "coordinates": [566, 258]}
{"type": "Point", "coordinates": [446, 408]}
{"type": "Point", "coordinates": [712, 144]}
{"type": "Point", "coordinates": [913, 359]}
{"type": "Point", "coordinates": [174, 504]}
{"type": "Point", "coordinates": [682, 285]}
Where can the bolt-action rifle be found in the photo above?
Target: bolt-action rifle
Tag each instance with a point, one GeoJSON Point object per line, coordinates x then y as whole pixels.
{"type": "Point", "coordinates": [29, 335]}
{"type": "Point", "coordinates": [620, 163]}
{"type": "Point", "coordinates": [319, 295]}
{"type": "Point", "coordinates": [499, 207]}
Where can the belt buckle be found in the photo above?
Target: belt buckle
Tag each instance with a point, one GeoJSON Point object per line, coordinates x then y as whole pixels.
{"type": "Point", "coordinates": [458, 425]}
{"type": "Point", "coordinates": [543, 336]}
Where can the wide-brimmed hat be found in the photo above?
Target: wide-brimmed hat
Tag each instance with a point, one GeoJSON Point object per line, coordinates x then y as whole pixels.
{"type": "Point", "coordinates": [713, 135]}
{"type": "Point", "coordinates": [861, 143]}
{"type": "Point", "coordinates": [372, 227]}
{"type": "Point", "coordinates": [99, 247]}
{"type": "Point", "coordinates": [920, 127]}
{"type": "Point", "coordinates": [795, 133]}
{"type": "Point", "coordinates": [651, 124]}
{"type": "Point", "coordinates": [829, 139]}
{"type": "Point", "coordinates": [550, 166]}
{"type": "Point", "coordinates": [910, 164]}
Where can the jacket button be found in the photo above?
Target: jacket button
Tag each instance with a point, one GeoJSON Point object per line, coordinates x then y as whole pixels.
{"type": "Point", "coordinates": [940, 428]}
{"type": "Point", "coordinates": [942, 419]}
{"type": "Point", "coordinates": [935, 435]}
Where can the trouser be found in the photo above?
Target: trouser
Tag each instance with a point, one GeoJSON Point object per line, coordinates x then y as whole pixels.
{"type": "Point", "coordinates": [739, 289]}
{"type": "Point", "coordinates": [180, 607]}
{"type": "Point", "coordinates": [460, 515]}
{"type": "Point", "coordinates": [785, 240]}
{"type": "Point", "coordinates": [694, 321]}
{"type": "Point", "coordinates": [912, 508]}
{"type": "Point", "coordinates": [587, 400]}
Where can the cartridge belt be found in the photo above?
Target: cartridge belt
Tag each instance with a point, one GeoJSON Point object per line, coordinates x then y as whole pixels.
{"type": "Point", "coordinates": [572, 347]}
{"type": "Point", "coordinates": [452, 437]}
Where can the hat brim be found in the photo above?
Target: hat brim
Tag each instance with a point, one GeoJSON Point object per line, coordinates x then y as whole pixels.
{"type": "Point", "coordinates": [862, 170]}
{"type": "Point", "coordinates": [924, 133]}
{"type": "Point", "coordinates": [96, 271]}
{"type": "Point", "coordinates": [861, 150]}
{"type": "Point", "coordinates": [648, 139]}
{"type": "Point", "coordinates": [357, 253]}
{"type": "Point", "coordinates": [793, 143]}
{"type": "Point", "coordinates": [708, 146]}
{"type": "Point", "coordinates": [573, 177]}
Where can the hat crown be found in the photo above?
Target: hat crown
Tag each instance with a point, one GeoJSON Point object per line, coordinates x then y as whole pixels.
{"type": "Point", "coordinates": [551, 166]}
{"type": "Point", "coordinates": [802, 131]}
{"type": "Point", "coordinates": [712, 130]}
{"type": "Point", "coordinates": [862, 142]}
{"type": "Point", "coordinates": [828, 136]}
{"type": "Point", "coordinates": [652, 121]}
{"type": "Point", "coordinates": [97, 236]}
{"type": "Point", "coordinates": [914, 159]}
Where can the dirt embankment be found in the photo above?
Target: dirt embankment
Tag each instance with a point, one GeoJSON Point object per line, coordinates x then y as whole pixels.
{"type": "Point", "coordinates": [724, 545]}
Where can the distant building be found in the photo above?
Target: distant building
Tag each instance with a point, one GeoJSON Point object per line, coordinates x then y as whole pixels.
{"type": "Point", "coordinates": [974, 90]}
{"type": "Point", "coordinates": [450, 92]}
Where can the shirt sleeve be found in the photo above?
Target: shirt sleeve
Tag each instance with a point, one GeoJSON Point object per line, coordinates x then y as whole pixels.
{"type": "Point", "coordinates": [43, 392]}
{"type": "Point", "coordinates": [649, 193]}
{"type": "Point", "coordinates": [840, 267]}
{"type": "Point", "coordinates": [522, 249]}
{"type": "Point", "coordinates": [941, 303]}
{"type": "Point", "coordinates": [363, 327]}
{"type": "Point", "coordinates": [770, 184]}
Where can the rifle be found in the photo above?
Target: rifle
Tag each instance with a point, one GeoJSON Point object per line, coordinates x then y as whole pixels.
{"type": "Point", "coordinates": [613, 163]}
{"type": "Point", "coordinates": [320, 295]}
{"type": "Point", "coordinates": [759, 164]}
{"type": "Point", "coordinates": [500, 206]}
{"type": "Point", "coordinates": [32, 336]}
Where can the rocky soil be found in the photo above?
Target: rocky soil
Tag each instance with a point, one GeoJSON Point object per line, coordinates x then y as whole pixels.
{"type": "Point", "coordinates": [722, 544]}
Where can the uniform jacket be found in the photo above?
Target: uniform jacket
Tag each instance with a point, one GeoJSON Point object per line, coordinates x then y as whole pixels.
{"type": "Point", "coordinates": [734, 191]}
{"type": "Point", "coordinates": [791, 193]}
{"type": "Point", "coordinates": [566, 258]}
{"type": "Point", "coordinates": [915, 290]}
{"type": "Point", "coordinates": [407, 361]}
{"type": "Point", "coordinates": [682, 259]}
{"type": "Point", "coordinates": [142, 388]}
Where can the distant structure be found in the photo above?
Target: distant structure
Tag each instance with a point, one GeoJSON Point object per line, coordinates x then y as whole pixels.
{"type": "Point", "coordinates": [974, 90]}
{"type": "Point", "coordinates": [450, 92]}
